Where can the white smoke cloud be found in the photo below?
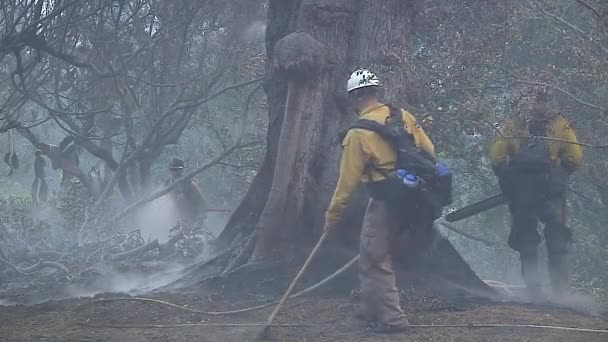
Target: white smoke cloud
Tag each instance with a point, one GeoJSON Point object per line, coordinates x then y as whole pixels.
{"type": "Point", "coordinates": [255, 32]}
{"type": "Point", "coordinates": [156, 219]}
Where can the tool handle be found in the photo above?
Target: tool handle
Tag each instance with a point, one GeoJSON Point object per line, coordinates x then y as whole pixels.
{"type": "Point", "coordinates": [295, 280]}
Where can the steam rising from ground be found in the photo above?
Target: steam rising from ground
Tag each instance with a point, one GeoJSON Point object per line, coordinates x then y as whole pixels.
{"type": "Point", "coordinates": [255, 32]}
{"type": "Point", "coordinates": [156, 219]}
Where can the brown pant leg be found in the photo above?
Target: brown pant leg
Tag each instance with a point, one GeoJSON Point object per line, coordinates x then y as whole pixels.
{"type": "Point", "coordinates": [379, 293]}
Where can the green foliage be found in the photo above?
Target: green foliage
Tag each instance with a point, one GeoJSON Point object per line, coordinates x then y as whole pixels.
{"type": "Point", "coordinates": [72, 204]}
{"type": "Point", "coordinates": [18, 229]}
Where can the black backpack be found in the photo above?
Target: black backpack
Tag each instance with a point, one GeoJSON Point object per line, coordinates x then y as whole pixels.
{"type": "Point", "coordinates": [434, 190]}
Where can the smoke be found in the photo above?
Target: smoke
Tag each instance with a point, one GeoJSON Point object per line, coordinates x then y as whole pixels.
{"type": "Point", "coordinates": [132, 282]}
{"type": "Point", "coordinates": [156, 219]}
{"type": "Point", "coordinates": [580, 302]}
{"type": "Point", "coordinates": [256, 32]}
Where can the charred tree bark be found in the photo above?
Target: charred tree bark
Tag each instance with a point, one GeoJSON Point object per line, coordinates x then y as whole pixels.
{"type": "Point", "coordinates": [299, 58]}
{"type": "Point", "coordinates": [305, 91]}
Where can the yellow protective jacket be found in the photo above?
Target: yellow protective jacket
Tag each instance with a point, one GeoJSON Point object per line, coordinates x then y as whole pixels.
{"type": "Point", "coordinates": [567, 155]}
{"type": "Point", "coordinates": [366, 156]}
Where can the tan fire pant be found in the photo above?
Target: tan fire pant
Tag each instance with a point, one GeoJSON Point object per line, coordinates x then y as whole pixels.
{"type": "Point", "coordinates": [379, 293]}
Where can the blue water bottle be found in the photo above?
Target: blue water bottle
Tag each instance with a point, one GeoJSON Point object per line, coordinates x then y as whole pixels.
{"type": "Point", "coordinates": [410, 180]}
{"type": "Point", "coordinates": [442, 169]}
{"type": "Point", "coordinates": [445, 183]}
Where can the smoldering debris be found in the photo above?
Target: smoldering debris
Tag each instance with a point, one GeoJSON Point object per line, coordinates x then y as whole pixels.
{"type": "Point", "coordinates": [123, 262]}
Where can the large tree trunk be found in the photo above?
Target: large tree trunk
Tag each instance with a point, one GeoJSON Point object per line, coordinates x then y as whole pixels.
{"type": "Point", "coordinates": [285, 206]}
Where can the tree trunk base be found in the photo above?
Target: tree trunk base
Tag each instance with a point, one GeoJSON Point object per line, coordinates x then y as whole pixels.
{"type": "Point", "coordinates": [268, 280]}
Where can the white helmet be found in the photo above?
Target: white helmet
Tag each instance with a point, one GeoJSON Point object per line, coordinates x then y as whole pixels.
{"type": "Point", "coordinates": [361, 78]}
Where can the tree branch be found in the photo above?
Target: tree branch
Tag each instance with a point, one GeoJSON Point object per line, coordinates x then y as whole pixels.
{"type": "Point", "coordinates": [585, 103]}
{"type": "Point", "coordinates": [495, 127]}
{"type": "Point", "coordinates": [591, 8]}
{"type": "Point", "coordinates": [236, 145]}
{"type": "Point", "coordinates": [578, 30]}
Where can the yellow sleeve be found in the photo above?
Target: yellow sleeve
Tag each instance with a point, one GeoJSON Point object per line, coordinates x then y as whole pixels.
{"type": "Point", "coordinates": [571, 155]}
{"type": "Point", "coordinates": [502, 148]}
{"type": "Point", "coordinates": [420, 137]}
{"type": "Point", "coordinates": [352, 167]}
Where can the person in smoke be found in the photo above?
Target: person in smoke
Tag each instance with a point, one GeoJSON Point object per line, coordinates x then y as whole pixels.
{"type": "Point", "coordinates": [368, 158]}
{"type": "Point", "coordinates": [187, 198]}
{"type": "Point", "coordinates": [533, 175]}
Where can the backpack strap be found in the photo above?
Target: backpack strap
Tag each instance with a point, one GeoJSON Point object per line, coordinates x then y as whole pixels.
{"type": "Point", "coordinates": [373, 126]}
{"type": "Point", "coordinates": [381, 130]}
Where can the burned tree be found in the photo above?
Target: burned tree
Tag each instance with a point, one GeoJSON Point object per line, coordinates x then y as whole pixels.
{"type": "Point", "coordinates": [299, 59]}
{"type": "Point", "coordinates": [312, 46]}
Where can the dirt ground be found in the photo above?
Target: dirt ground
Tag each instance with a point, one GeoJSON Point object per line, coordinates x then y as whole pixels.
{"type": "Point", "coordinates": [323, 319]}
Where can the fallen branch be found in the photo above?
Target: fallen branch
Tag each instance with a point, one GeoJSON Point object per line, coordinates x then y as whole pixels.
{"type": "Point", "coordinates": [453, 228]}
{"type": "Point", "coordinates": [135, 251]}
{"type": "Point", "coordinates": [152, 245]}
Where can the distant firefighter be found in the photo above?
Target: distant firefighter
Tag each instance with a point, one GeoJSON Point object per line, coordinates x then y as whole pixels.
{"type": "Point", "coordinates": [187, 198]}
{"type": "Point", "coordinates": [533, 175]}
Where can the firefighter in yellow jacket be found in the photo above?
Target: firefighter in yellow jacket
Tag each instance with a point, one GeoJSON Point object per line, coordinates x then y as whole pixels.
{"type": "Point", "coordinates": [368, 158]}
{"type": "Point", "coordinates": [533, 174]}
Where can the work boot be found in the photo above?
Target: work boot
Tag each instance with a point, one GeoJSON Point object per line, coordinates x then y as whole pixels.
{"type": "Point", "coordinates": [559, 273]}
{"type": "Point", "coordinates": [529, 272]}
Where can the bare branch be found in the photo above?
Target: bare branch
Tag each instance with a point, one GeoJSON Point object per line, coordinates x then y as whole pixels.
{"type": "Point", "coordinates": [575, 28]}
{"type": "Point", "coordinates": [495, 127]}
{"type": "Point", "coordinates": [591, 8]}
{"type": "Point", "coordinates": [219, 92]}
{"type": "Point", "coordinates": [236, 145]}
{"type": "Point", "coordinates": [572, 96]}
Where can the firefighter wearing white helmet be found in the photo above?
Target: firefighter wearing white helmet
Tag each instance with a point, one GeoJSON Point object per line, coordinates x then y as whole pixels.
{"type": "Point", "coordinates": [367, 158]}
{"type": "Point", "coordinates": [361, 78]}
